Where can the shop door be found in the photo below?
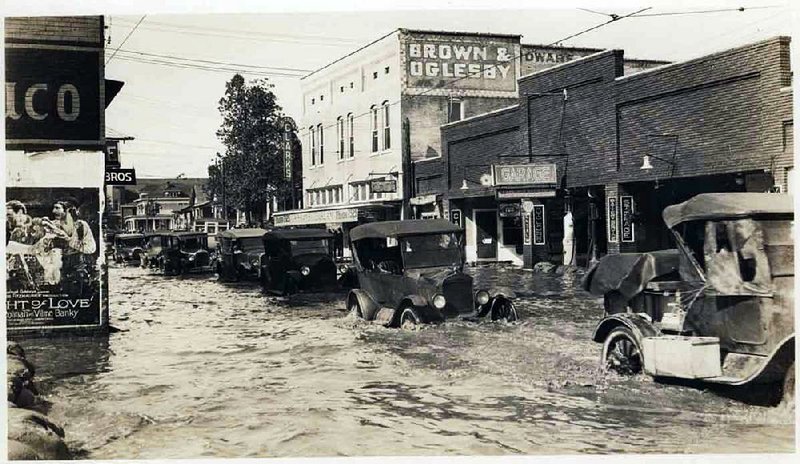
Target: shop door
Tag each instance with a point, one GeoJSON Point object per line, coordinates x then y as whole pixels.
{"type": "Point", "coordinates": [486, 234]}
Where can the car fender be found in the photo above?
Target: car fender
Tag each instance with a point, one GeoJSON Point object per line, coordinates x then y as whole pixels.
{"type": "Point", "coordinates": [503, 292]}
{"type": "Point", "coordinates": [368, 306]}
{"type": "Point", "coordinates": [639, 325]}
{"type": "Point", "coordinates": [427, 313]}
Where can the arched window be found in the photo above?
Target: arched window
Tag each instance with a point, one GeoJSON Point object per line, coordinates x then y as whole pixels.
{"type": "Point", "coordinates": [350, 134]}
{"type": "Point", "coordinates": [340, 136]}
{"type": "Point", "coordinates": [321, 143]}
{"type": "Point", "coordinates": [386, 139]}
{"type": "Point", "coordinates": [374, 126]}
{"type": "Point", "coordinates": [313, 145]}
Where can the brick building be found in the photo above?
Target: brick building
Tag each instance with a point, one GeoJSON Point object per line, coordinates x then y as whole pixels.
{"type": "Point", "coordinates": [615, 149]}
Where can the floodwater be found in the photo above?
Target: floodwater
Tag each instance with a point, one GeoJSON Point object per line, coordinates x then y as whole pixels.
{"type": "Point", "coordinates": [206, 369]}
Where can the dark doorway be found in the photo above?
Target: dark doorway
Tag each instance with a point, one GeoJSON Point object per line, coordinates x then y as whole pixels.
{"type": "Point", "coordinates": [486, 234]}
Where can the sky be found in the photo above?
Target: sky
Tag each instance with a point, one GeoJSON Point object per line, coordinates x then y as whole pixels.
{"type": "Point", "coordinates": [171, 110]}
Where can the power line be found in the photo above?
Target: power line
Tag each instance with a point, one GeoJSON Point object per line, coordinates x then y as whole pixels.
{"type": "Point", "coordinates": [226, 70]}
{"type": "Point", "coordinates": [126, 38]}
{"type": "Point", "coordinates": [681, 13]}
{"type": "Point", "coordinates": [135, 52]}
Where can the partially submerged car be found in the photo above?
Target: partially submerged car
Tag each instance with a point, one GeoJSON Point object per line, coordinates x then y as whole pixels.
{"type": "Point", "coordinates": [175, 253]}
{"type": "Point", "coordinates": [239, 253]}
{"type": "Point", "coordinates": [128, 247]}
{"type": "Point", "coordinates": [412, 272]}
{"type": "Point", "coordinates": [719, 308]}
{"type": "Point", "coordinates": [298, 260]}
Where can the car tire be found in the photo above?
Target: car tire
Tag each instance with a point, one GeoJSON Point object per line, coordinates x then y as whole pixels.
{"type": "Point", "coordinates": [354, 307]}
{"type": "Point", "coordinates": [788, 385]}
{"type": "Point", "coordinates": [504, 310]}
{"type": "Point", "coordinates": [622, 352]}
{"type": "Point", "coordinates": [409, 319]}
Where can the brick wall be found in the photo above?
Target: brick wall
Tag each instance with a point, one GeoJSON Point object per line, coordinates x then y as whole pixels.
{"type": "Point", "coordinates": [80, 29]}
{"type": "Point", "coordinates": [429, 177]}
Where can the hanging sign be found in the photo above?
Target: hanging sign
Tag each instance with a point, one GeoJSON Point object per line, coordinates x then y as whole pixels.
{"type": "Point", "coordinates": [538, 225]}
{"type": "Point", "coordinates": [287, 151]}
{"type": "Point", "coordinates": [526, 229]}
{"type": "Point", "coordinates": [383, 186]}
{"type": "Point", "coordinates": [524, 174]}
{"type": "Point", "coordinates": [120, 176]}
{"type": "Point", "coordinates": [626, 206]}
{"type": "Point", "coordinates": [455, 217]}
{"type": "Point", "coordinates": [612, 220]}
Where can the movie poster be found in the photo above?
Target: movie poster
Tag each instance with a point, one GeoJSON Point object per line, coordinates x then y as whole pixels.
{"type": "Point", "coordinates": [53, 275]}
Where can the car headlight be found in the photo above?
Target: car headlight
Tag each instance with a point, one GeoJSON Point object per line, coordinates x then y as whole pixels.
{"type": "Point", "coordinates": [191, 258]}
{"type": "Point", "coordinates": [305, 270]}
{"type": "Point", "coordinates": [439, 302]}
{"type": "Point", "coordinates": [482, 297]}
{"type": "Point", "coordinates": [342, 269]}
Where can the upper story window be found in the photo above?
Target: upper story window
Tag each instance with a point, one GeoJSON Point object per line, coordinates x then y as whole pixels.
{"type": "Point", "coordinates": [375, 75]}
{"type": "Point", "coordinates": [386, 70]}
{"type": "Point", "coordinates": [321, 144]}
{"type": "Point", "coordinates": [350, 134]}
{"type": "Point", "coordinates": [374, 126]}
{"type": "Point", "coordinates": [455, 110]}
{"type": "Point", "coordinates": [386, 138]}
{"type": "Point", "coordinates": [340, 136]}
{"type": "Point", "coordinates": [313, 135]}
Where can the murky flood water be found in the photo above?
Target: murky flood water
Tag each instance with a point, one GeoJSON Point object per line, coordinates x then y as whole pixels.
{"type": "Point", "coordinates": [205, 369]}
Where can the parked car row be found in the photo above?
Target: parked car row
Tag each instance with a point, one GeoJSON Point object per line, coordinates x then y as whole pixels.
{"type": "Point", "coordinates": [719, 308]}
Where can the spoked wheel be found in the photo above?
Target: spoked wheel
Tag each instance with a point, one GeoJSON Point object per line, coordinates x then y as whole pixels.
{"type": "Point", "coordinates": [354, 308]}
{"type": "Point", "coordinates": [504, 310]}
{"type": "Point", "coordinates": [409, 320]}
{"type": "Point", "coordinates": [621, 353]}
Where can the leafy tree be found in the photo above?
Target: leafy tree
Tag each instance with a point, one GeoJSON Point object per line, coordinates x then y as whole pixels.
{"type": "Point", "coordinates": [250, 172]}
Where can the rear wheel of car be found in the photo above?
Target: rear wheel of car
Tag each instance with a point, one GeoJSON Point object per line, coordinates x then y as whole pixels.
{"type": "Point", "coordinates": [504, 310]}
{"type": "Point", "coordinates": [409, 320]}
{"type": "Point", "coordinates": [354, 307]}
{"type": "Point", "coordinates": [788, 385]}
{"type": "Point", "coordinates": [622, 353]}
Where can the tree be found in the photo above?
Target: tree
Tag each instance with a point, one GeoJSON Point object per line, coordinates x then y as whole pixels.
{"type": "Point", "coordinates": [250, 172]}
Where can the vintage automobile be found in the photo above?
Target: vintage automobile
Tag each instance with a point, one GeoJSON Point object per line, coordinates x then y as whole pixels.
{"type": "Point", "coordinates": [128, 247]}
{"type": "Point", "coordinates": [412, 272]}
{"type": "Point", "coordinates": [175, 253]}
{"type": "Point", "coordinates": [239, 253]}
{"type": "Point", "coordinates": [298, 260]}
{"type": "Point", "coordinates": [719, 308]}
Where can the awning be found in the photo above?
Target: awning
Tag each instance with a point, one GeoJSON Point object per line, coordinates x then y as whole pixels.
{"type": "Point", "coordinates": [331, 215]}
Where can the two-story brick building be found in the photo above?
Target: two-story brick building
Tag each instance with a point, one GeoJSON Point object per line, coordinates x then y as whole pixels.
{"type": "Point", "coordinates": [614, 149]}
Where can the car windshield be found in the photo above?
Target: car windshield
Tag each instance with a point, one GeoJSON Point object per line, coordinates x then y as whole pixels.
{"type": "Point", "coordinates": [313, 246]}
{"type": "Point", "coordinates": [250, 244]}
{"type": "Point", "coordinates": [191, 244]}
{"type": "Point", "coordinates": [431, 250]}
{"type": "Point", "coordinates": [130, 241]}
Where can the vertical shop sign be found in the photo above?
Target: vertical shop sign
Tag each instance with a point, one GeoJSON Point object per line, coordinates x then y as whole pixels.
{"type": "Point", "coordinates": [455, 217]}
{"type": "Point", "coordinates": [612, 225]}
{"type": "Point", "coordinates": [287, 151]}
{"type": "Point", "coordinates": [626, 206]}
{"type": "Point", "coordinates": [538, 225]}
{"type": "Point", "coordinates": [526, 229]}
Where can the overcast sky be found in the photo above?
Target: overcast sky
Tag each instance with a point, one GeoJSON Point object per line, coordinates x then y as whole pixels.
{"type": "Point", "coordinates": [172, 110]}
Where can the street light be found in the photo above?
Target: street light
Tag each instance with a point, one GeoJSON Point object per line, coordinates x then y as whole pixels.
{"type": "Point", "coordinates": [647, 165]}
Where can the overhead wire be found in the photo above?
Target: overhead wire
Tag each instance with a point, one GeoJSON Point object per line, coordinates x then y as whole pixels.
{"type": "Point", "coordinates": [200, 60]}
{"type": "Point", "coordinates": [175, 64]}
{"type": "Point", "coordinates": [126, 38]}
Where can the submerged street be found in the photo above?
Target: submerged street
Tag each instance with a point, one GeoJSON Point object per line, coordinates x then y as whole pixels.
{"type": "Point", "coordinates": [206, 369]}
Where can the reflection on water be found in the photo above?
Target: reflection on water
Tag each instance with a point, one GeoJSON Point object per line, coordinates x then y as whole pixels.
{"type": "Point", "coordinates": [212, 370]}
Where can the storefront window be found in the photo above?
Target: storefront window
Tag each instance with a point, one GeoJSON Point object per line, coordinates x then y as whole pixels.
{"type": "Point", "coordinates": [512, 233]}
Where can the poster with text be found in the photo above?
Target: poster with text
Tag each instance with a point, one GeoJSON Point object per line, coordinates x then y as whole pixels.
{"type": "Point", "coordinates": [53, 277]}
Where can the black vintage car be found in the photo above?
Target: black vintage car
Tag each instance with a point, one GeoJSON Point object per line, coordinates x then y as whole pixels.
{"type": "Point", "coordinates": [175, 253]}
{"type": "Point", "coordinates": [298, 260]}
{"type": "Point", "coordinates": [239, 253]}
{"type": "Point", "coordinates": [412, 272]}
{"type": "Point", "coordinates": [128, 247]}
{"type": "Point", "coordinates": [719, 308]}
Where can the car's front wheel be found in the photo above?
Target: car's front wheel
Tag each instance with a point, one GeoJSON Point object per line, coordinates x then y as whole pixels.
{"type": "Point", "coordinates": [409, 319]}
{"type": "Point", "coordinates": [354, 307]}
{"type": "Point", "coordinates": [504, 310]}
{"type": "Point", "coordinates": [622, 353]}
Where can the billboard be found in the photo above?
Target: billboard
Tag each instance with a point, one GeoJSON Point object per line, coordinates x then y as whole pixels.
{"type": "Point", "coordinates": [460, 62]}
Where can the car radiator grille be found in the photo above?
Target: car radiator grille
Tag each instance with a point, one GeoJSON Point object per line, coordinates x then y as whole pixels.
{"type": "Point", "coordinates": [458, 296]}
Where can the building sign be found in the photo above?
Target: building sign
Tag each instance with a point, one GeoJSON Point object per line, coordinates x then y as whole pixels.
{"type": "Point", "coordinates": [460, 64]}
{"type": "Point", "coordinates": [538, 225]}
{"type": "Point", "coordinates": [112, 154]}
{"type": "Point", "coordinates": [316, 217]}
{"type": "Point", "coordinates": [287, 151]}
{"type": "Point", "coordinates": [526, 229]}
{"type": "Point", "coordinates": [422, 200]}
{"type": "Point", "coordinates": [524, 174]}
{"type": "Point", "coordinates": [383, 186]}
{"type": "Point", "coordinates": [626, 207]}
{"type": "Point", "coordinates": [538, 58]}
{"type": "Point", "coordinates": [511, 194]}
{"type": "Point", "coordinates": [53, 97]}
{"type": "Point", "coordinates": [508, 210]}
{"type": "Point", "coordinates": [120, 176]}
{"type": "Point", "coordinates": [612, 220]}
{"type": "Point", "coordinates": [455, 217]}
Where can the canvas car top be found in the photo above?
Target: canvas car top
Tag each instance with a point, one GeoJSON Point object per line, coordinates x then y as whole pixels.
{"type": "Point", "coordinates": [401, 228]}
{"type": "Point", "coordinates": [297, 234]}
{"type": "Point", "coordinates": [727, 205]}
{"type": "Point", "coordinates": [629, 273]}
{"type": "Point", "coordinates": [242, 233]}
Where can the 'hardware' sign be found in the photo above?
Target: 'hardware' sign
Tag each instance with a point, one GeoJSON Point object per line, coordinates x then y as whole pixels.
{"type": "Point", "coordinates": [524, 174]}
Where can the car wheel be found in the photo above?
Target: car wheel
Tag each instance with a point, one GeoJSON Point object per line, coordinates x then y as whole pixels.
{"type": "Point", "coordinates": [621, 352]}
{"type": "Point", "coordinates": [504, 310]}
{"type": "Point", "coordinates": [354, 307]}
{"type": "Point", "coordinates": [409, 320]}
{"type": "Point", "coordinates": [788, 385]}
